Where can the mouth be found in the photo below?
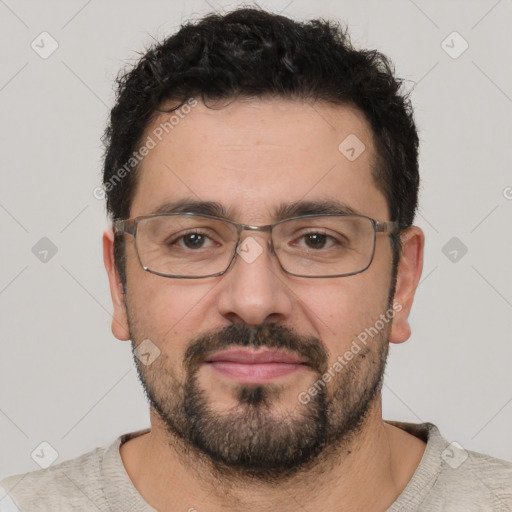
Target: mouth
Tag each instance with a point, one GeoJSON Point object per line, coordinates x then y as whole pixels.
{"type": "Point", "coordinates": [255, 367]}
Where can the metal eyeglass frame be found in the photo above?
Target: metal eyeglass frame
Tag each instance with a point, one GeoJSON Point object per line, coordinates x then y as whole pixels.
{"type": "Point", "coordinates": [129, 226]}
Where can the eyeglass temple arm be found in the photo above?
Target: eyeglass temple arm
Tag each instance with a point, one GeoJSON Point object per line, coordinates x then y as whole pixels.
{"type": "Point", "coordinates": [387, 227]}
{"type": "Point", "coordinates": [124, 226]}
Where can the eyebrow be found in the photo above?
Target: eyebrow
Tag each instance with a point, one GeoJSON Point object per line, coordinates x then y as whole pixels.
{"type": "Point", "coordinates": [283, 211]}
{"type": "Point", "coordinates": [193, 206]}
{"type": "Point", "coordinates": [320, 207]}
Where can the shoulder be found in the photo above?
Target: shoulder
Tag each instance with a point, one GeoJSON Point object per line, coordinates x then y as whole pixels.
{"type": "Point", "coordinates": [62, 485]}
{"type": "Point", "coordinates": [475, 479]}
{"type": "Point", "coordinates": [59, 484]}
{"type": "Point", "coordinates": [96, 480]}
{"type": "Point", "coordinates": [449, 477]}
{"type": "Point", "coordinates": [92, 481]}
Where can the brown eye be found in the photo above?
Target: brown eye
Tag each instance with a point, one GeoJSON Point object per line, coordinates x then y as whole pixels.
{"type": "Point", "coordinates": [316, 240]}
{"type": "Point", "coordinates": [193, 240]}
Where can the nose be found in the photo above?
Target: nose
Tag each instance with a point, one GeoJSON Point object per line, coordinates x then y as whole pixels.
{"type": "Point", "coordinates": [253, 290]}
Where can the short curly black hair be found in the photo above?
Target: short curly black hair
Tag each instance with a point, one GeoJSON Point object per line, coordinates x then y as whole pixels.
{"type": "Point", "coordinates": [249, 52]}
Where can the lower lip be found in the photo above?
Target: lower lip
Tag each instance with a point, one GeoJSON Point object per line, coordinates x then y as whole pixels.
{"type": "Point", "coordinates": [255, 372]}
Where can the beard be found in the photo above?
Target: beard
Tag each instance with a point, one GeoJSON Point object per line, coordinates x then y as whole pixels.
{"type": "Point", "coordinates": [257, 437]}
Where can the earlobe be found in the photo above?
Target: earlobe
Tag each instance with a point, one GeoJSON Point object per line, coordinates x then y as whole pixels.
{"type": "Point", "coordinates": [408, 277]}
{"type": "Point", "coordinates": [120, 327]}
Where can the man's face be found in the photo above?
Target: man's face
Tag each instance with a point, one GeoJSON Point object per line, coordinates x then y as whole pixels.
{"type": "Point", "coordinates": [253, 157]}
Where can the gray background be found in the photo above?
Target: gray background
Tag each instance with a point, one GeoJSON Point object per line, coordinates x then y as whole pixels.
{"type": "Point", "coordinates": [66, 380]}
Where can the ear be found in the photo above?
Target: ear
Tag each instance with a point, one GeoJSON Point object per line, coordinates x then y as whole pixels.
{"type": "Point", "coordinates": [120, 327]}
{"type": "Point", "coordinates": [408, 277]}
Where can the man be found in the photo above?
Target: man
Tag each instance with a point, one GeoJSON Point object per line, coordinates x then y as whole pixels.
{"type": "Point", "coordinates": [262, 179]}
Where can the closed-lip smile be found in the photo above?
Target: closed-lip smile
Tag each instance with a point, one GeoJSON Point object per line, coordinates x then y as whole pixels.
{"type": "Point", "coordinates": [254, 366]}
{"type": "Point", "coordinates": [248, 356]}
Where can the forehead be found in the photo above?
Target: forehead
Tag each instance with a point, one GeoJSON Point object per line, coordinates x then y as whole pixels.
{"type": "Point", "coordinates": [255, 155]}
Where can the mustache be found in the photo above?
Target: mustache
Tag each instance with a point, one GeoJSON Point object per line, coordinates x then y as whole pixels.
{"type": "Point", "coordinates": [272, 336]}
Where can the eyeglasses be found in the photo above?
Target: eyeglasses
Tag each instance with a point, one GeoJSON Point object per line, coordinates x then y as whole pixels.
{"type": "Point", "coordinates": [187, 245]}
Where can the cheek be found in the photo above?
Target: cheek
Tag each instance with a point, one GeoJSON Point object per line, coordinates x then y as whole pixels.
{"type": "Point", "coordinates": [170, 312]}
{"type": "Point", "coordinates": [340, 309]}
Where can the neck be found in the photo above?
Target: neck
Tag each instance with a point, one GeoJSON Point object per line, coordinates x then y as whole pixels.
{"type": "Point", "coordinates": [379, 458]}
